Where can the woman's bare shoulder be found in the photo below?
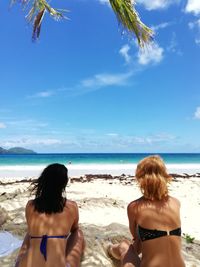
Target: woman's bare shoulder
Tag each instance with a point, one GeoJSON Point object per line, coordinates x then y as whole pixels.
{"type": "Point", "coordinates": [29, 208]}
{"type": "Point", "coordinates": [134, 205]}
{"type": "Point", "coordinates": [72, 207]}
{"type": "Point", "coordinates": [135, 202]}
{"type": "Point", "coordinates": [71, 204]}
{"type": "Point", "coordinates": [30, 204]}
{"type": "Point", "coordinates": [174, 200]}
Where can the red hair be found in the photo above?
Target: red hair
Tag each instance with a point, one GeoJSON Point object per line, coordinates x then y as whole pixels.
{"type": "Point", "coordinates": [152, 177]}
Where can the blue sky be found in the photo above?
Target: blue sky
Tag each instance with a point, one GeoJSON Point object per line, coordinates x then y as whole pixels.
{"type": "Point", "coordinates": [85, 87]}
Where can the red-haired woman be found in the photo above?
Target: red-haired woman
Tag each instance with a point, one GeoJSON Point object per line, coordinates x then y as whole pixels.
{"type": "Point", "coordinates": [154, 221]}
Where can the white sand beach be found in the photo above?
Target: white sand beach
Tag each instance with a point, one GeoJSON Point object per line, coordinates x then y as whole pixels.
{"type": "Point", "coordinates": [102, 206]}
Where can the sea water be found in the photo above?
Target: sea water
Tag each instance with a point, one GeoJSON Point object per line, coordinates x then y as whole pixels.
{"type": "Point", "coordinates": [93, 163]}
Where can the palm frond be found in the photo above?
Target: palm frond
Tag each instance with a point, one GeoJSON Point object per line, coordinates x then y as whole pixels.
{"type": "Point", "coordinates": [23, 2]}
{"type": "Point", "coordinates": [124, 10]}
{"type": "Point", "coordinates": [37, 24]}
{"type": "Point", "coordinates": [37, 9]}
{"type": "Point", "coordinates": [130, 20]}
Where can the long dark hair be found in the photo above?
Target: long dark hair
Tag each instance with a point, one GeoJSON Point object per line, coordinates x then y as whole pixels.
{"type": "Point", "coordinates": [48, 189]}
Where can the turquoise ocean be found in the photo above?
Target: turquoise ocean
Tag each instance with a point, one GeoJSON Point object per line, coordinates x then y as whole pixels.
{"type": "Point", "coordinates": [94, 158]}
{"type": "Point", "coordinates": [95, 163]}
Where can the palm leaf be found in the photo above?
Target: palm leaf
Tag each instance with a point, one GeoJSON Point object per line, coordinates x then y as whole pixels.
{"type": "Point", "coordinates": [37, 9]}
{"type": "Point", "coordinates": [130, 20]}
{"type": "Point", "coordinates": [37, 24]}
{"type": "Point", "coordinates": [124, 10]}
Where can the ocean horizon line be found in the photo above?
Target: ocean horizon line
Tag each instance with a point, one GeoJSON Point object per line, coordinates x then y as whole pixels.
{"type": "Point", "coordinates": [66, 153]}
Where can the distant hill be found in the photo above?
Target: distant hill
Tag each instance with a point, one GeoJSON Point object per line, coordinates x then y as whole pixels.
{"type": "Point", "coordinates": [16, 150]}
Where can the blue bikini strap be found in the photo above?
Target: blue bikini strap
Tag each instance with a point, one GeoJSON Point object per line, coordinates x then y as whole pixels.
{"type": "Point", "coordinates": [43, 243]}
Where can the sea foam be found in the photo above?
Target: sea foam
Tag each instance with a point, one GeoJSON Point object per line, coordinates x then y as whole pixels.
{"type": "Point", "coordinates": [15, 171]}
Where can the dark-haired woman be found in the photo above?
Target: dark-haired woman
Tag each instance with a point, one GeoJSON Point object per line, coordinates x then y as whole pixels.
{"type": "Point", "coordinates": [53, 238]}
{"type": "Point", "coordinates": [154, 221]}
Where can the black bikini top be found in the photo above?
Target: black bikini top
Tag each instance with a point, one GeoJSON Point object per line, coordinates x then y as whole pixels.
{"type": "Point", "coordinates": [147, 234]}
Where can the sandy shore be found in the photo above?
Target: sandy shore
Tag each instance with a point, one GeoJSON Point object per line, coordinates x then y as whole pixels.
{"type": "Point", "coordinates": [102, 206]}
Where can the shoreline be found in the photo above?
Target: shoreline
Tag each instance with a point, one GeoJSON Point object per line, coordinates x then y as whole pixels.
{"type": "Point", "coordinates": [102, 202]}
{"type": "Point", "coordinates": [77, 170]}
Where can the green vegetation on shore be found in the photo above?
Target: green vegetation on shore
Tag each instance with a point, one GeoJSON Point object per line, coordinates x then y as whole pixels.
{"type": "Point", "coordinates": [188, 238]}
{"type": "Point", "coordinates": [16, 150]}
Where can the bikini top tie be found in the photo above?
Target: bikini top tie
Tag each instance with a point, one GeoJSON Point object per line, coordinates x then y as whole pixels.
{"type": "Point", "coordinates": [43, 243]}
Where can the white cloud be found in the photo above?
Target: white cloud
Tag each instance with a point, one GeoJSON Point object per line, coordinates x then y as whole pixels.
{"type": "Point", "coordinates": [197, 113]}
{"type": "Point", "coordinates": [197, 41]}
{"type": "Point", "coordinates": [42, 94]}
{"type": "Point", "coordinates": [198, 23]}
{"type": "Point", "coordinates": [191, 25]}
{"type": "Point", "coordinates": [31, 141]}
{"type": "Point", "coordinates": [157, 138]}
{"type": "Point", "coordinates": [47, 142]}
{"type": "Point", "coordinates": [195, 25]}
{"type": "Point", "coordinates": [112, 134]}
{"type": "Point", "coordinates": [149, 4]}
{"type": "Point", "coordinates": [117, 142]}
{"type": "Point", "coordinates": [161, 137]}
{"type": "Point", "coordinates": [156, 4]}
{"type": "Point", "coordinates": [149, 139]}
{"type": "Point", "coordinates": [27, 124]}
{"type": "Point", "coordinates": [104, 2]}
{"type": "Point", "coordinates": [161, 26]}
{"type": "Point", "coordinates": [152, 54]}
{"type": "Point", "coordinates": [102, 80]}
{"type": "Point", "coordinates": [124, 52]}
{"type": "Point", "coordinates": [2, 125]}
{"type": "Point", "coordinates": [99, 81]}
{"type": "Point", "coordinates": [111, 141]}
{"type": "Point", "coordinates": [173, 45]}
{"type": "Point", "coordinates": [193, 6]}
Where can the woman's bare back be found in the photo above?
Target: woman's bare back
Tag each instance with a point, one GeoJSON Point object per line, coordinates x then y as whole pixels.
{"type": "Point", "coordinates": [162, 215]}
{"type": "Point", "coordinates": [57, 226]}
